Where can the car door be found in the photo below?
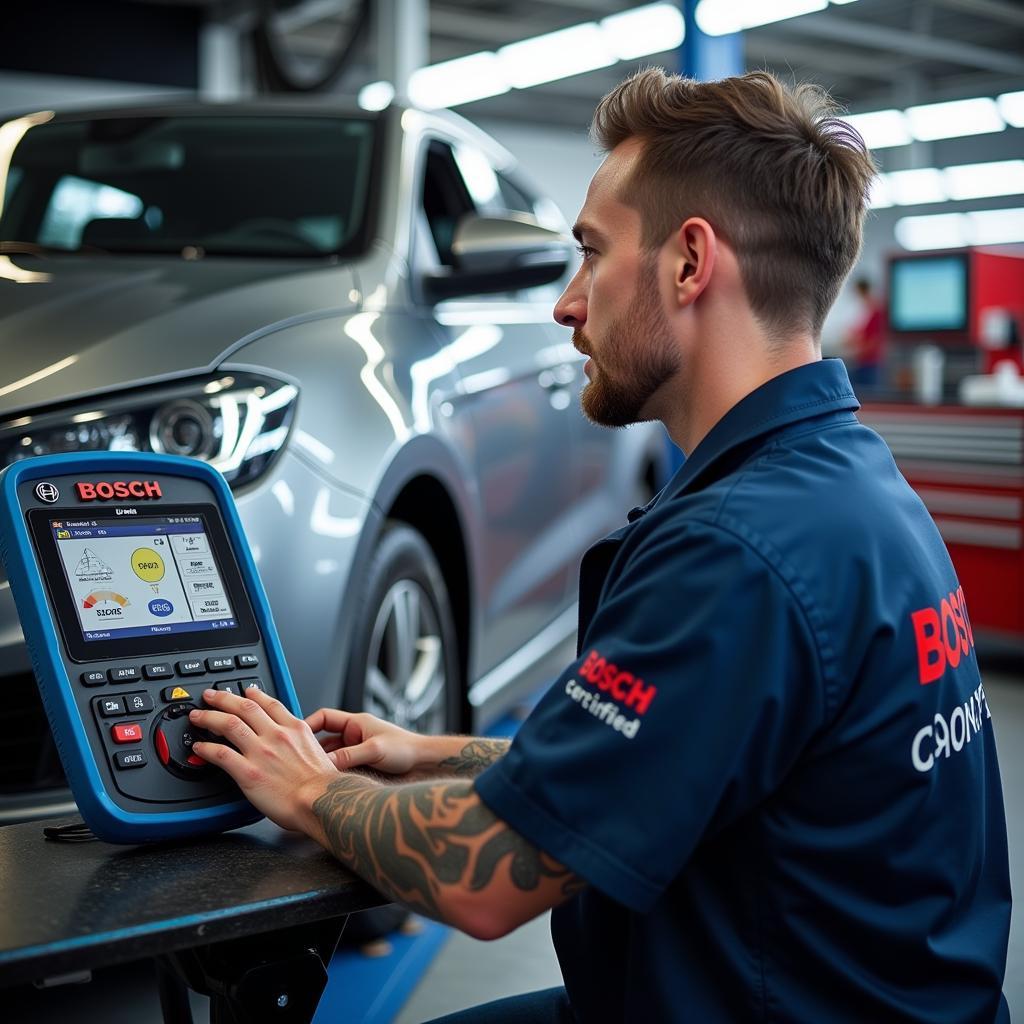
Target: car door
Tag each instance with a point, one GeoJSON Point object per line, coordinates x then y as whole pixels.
{"type": "Point", "coordinates": [515, 400]}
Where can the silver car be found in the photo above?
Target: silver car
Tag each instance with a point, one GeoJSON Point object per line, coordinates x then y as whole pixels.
{"type": "Point", "coordinates": [350, 316]}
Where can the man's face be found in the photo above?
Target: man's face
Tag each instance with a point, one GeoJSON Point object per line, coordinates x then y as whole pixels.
{"type": "Point", "coordinates": [614, 305]}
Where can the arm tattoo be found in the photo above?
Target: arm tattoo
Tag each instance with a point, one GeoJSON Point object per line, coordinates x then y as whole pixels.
{"type": "Point", "coordinates": [410, 842]}
{"type": "Point", "coordinates": [474, 757]}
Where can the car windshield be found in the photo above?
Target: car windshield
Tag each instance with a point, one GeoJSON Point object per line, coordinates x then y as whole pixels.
{"type": "Point", "coordinates": [246, 185]}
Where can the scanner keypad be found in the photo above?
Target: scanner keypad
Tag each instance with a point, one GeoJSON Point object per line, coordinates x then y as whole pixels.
{"type": "Point", "coordinates": [130, 744]}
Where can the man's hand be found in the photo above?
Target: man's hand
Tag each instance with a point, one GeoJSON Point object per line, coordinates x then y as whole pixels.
{"type": "Point", "coordinates": [361, 740]}
{"type": "Point", "coordinates": [278, 764]}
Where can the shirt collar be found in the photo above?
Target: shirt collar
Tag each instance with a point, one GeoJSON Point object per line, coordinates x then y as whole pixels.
{"type": "Point", "coordinates": [812, 390]}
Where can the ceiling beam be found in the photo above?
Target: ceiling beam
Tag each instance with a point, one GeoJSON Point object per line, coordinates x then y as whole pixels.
{"type": "Point", "coordinates": [311, 12]}
{"type": "Point", "coordinates": [995, 10]}
{"type": "Point", "coordinates": [895, 40]}
{"type": "Point", "coordinates": [822, 60]}
{"type": "Point", "coordinates": [486, 29]}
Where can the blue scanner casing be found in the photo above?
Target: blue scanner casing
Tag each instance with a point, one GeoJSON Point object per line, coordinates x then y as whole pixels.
{"type": "Point", "coordinates": [166, 797]}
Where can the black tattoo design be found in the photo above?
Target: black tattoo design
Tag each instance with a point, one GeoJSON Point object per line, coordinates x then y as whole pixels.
{"type": "Point", "coordinates": [412, 841]}
{"type": "Point", "coordinates": [474, 757]}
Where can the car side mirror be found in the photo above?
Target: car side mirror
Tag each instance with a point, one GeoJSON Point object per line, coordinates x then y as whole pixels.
{"type": "Point", "coordinates": [500, 254]}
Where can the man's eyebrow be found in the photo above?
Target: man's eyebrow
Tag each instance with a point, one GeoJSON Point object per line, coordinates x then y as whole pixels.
{"type": "Point", "coordinates": [582, 227]}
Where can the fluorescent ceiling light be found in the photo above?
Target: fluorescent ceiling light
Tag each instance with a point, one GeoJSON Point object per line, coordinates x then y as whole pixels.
{"type": "Point", "coordinates": [722, 17]}
{"type": "Point", "coordinates": [955, 119]}
{"type": "Point", "coordinates": [1011, 106]}
{"type": "Point", "coordinates": [462, 80]}
{"type": "Point", "coordinates": [995, 227]}
{"type": "Point", "coordinates": [644, 30]}
{"type": "Point", "coordinates": [923, 185]}
{"type": "Point", "coordinates": [954, 230]}
{"type": "Point", "coordinates": [376, 95]}
{"type": "Point", "coordinates": [880, 197]}
{"type": "Point", "coordinates": [881, 128]}
{"type": "Point", "coordinates": [974, 181]}
{"type": "Point", "coordinates": [570, 51]}
{"type": "Point", "coordinates": [941, 231]}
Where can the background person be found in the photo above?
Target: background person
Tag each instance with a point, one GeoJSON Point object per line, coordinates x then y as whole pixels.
{"type": "Point", "coordinates": [864, 345]}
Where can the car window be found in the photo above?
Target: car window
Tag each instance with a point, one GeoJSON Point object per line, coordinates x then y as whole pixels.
{"type": "Point", "coordinates": [514, 198]}
{"type": "Point", "coordinates": [445, 198]}
{"type": "Point", "coordinates": [251, 185]}
{"type": "Point", "coordinates": [460, 179]}
{"type": "Point", "coordinates": [76, 202]}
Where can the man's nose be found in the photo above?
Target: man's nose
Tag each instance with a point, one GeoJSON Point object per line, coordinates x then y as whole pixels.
{"type": "Point", "coordinates": [571, 308]}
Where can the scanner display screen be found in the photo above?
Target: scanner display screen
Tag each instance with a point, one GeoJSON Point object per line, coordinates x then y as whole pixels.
{"type": "Point", "coordinates": [154, 576]}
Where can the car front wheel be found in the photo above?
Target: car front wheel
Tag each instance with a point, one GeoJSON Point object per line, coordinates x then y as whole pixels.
{"type": "Point", "coordinates": [404, 664]}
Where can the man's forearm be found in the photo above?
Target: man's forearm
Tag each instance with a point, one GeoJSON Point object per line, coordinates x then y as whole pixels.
{"type": "Point", "coordinates": [455, 757]}
{"type": "Point", "coordinates": [473, 756]}
{"type": "Point", "coordinates": [433, 846]}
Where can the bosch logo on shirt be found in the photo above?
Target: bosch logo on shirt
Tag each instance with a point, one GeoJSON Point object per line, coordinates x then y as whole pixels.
{"type": "Point", "coordinates": [943, 636]}
{"type": "Point", "coordinates": [624, 688]}
{"type": "Point", "coordinates": [944, 640]}
{"type": "Point", "coordinates": [622, 685]}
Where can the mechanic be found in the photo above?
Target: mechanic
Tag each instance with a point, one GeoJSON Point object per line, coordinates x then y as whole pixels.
{"type": "Point", "coordinates": [767, 788]}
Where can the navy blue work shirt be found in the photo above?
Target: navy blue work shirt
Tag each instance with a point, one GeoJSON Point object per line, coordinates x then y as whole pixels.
{"type": "Point", "coordinates": [773, 760]}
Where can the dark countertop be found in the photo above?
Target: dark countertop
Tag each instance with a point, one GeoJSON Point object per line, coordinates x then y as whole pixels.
{"type": "Point", "coordinates": [76, 906]}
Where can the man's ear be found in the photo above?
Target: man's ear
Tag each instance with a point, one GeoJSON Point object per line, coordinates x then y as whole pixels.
{"type": "Point", "coordinates": [695, 249]}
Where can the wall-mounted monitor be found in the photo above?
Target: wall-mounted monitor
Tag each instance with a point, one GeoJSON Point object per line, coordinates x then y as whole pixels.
{"type": "Point", "coordinates": [928, 293]}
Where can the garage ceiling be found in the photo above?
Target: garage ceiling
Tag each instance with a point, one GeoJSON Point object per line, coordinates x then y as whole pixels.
{"type": "Point", "coordinates": [871, 54]}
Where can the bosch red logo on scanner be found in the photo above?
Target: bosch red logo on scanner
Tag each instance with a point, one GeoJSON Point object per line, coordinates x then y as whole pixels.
{"type": "Point", "coordinates": [105, 491]}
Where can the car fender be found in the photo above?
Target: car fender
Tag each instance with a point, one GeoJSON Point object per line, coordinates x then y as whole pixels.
{"type": "Point", "coordinates": [363, 426]}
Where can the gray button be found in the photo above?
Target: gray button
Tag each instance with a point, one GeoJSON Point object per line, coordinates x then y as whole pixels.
{"type": "Point", "coordinates": [111, 706]}
{"type": "Point", "coordinates": [137, 702]}
{"type": "Point", "coordinates": [130, 759]}
{"type": "Point", "coordinates": [124, 674]}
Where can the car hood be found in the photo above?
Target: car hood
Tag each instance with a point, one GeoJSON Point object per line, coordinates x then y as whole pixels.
{"type": "Point", "coordinates": [73, 326]}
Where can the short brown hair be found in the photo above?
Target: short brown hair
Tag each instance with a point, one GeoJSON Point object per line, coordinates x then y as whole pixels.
{"type": "Point", "coordinates": [772, 169]}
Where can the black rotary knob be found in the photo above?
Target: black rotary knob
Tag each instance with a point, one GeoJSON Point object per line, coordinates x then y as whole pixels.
{"type": "Point", "coordinates": [174, 736]}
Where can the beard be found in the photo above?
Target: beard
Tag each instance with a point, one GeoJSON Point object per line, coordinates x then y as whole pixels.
{"type": "Point", "coordinates": [637, 358]}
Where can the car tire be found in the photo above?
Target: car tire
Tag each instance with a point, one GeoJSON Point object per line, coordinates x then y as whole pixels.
{"type": "Point", "coordinates": [404, 663]}
{"type": "Point", "coordinates": [403, 598]}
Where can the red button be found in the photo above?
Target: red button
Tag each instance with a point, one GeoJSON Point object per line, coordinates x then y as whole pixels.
{"type": "Point", "coordinates": [127, 733]}
{"type": "Point", "coordinates": [195, 760]}
{"type": "Point", "coordinates": [161, 747]}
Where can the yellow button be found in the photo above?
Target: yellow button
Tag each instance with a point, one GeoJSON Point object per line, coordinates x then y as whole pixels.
{"type": "Point", "coordinates": [178, 693]}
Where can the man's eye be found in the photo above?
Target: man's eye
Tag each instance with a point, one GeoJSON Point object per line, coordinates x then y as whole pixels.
{"type": "Point", "coordinates": [585, 251]}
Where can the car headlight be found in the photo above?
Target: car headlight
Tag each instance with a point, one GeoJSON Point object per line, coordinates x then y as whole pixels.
{"type": "Point", "coordinates": [235, 421]}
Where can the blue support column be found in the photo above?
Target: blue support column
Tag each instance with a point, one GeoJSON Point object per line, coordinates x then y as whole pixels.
{"type": "Point", "coordinates": [709, 57]}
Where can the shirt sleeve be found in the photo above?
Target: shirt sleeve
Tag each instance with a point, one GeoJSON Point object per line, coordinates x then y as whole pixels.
{"type": "Point", "coordinates": [697, 687]}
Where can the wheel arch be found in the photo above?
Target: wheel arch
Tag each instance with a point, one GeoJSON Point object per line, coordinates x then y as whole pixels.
{"type": "Point", "coordinates": [423, 489]}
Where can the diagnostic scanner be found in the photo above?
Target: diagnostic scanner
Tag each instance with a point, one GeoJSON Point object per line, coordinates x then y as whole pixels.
{"type": "Point", "coordinates": [136, 591]}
